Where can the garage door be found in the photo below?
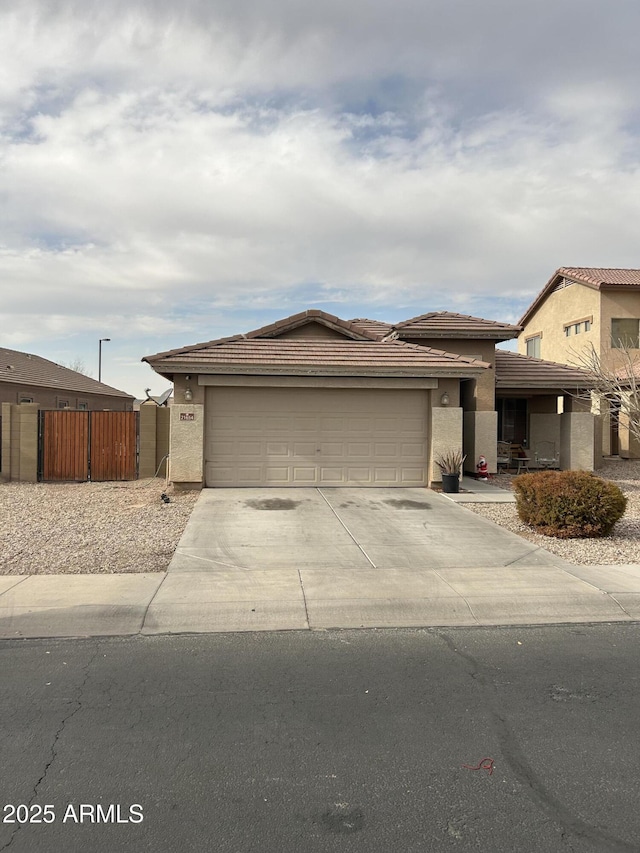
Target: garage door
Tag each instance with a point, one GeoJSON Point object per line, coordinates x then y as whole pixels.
{"type": "Point", "coordinates": [315, 436]}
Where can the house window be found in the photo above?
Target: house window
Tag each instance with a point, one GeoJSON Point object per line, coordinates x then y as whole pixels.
{"type": "Point", "coordinates": [83, 406]}
{"type": "Point", "coordinates": [587, 325]}
{"type": "Point", "coordinates": [624, 333]}
{"type": "Point", "coordinates": [567, 331]}
{"type": "Point", "coordinates": [63, 404]}
{"type": "Point", "coordinates": [533, 346]}
{"type": "Point", "coordinates": [25, 400]}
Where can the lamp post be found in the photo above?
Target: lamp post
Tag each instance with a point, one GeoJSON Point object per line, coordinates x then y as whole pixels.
{"type": "Point", "coordinates": [100, 357]}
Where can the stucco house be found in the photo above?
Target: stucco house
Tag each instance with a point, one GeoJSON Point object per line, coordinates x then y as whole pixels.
{"type": "Point", "coordinates": [28, 378]}
{"type": "Point", "coordinates": [316, 400]}
{"type": "Point", "coordinates": [584, 307]}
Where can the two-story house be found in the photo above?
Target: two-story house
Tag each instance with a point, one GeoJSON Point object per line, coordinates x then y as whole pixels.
{"type": "Point", "coordinates": [583, 309]}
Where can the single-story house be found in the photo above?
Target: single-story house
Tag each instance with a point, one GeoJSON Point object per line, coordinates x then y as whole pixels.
{"type": "Point", "coordinates": [316, 400]}
{"type": "Point", "coordinates": [28, 378]}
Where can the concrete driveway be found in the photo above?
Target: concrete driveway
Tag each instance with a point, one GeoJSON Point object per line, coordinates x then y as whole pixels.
{"type": "Point", "coordinates": [269, 559]}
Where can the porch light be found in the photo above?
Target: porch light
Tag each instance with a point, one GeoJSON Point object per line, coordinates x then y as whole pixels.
{"type": "Point", "coordinates": [188, 395]}
{"type": "Point", "coordinates": [444, 400]}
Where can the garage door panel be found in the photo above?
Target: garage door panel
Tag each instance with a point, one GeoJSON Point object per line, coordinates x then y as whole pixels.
{"type": "Point", "coordinates": [303, 437]}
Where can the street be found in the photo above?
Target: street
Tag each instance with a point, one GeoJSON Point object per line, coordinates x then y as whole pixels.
{"type": "Point", "coordinates": [296, 742]}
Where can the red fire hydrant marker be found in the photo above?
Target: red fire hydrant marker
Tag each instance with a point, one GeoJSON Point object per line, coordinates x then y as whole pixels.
{"type": "Point", "coordinates": [485, 764]}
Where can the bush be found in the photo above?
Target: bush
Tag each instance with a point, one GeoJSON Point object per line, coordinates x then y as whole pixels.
{"type": "Point", "coordinates": [568, 504]}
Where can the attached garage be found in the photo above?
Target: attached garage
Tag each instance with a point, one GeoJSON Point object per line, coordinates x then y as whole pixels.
{"type": "Point", "coordinates": [276, 436]}
{"type": "Point", "coordinates": [313, 400]}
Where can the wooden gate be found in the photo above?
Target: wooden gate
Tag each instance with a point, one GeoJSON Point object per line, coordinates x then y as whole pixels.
{"type": "Point", "coordinates": [88, 445]}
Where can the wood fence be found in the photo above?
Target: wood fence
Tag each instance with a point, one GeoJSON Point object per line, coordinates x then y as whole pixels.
{"type": "Point", "coordinates": [95, 446]}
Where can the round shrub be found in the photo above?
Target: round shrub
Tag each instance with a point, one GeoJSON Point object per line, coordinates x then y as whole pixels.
{"type": "Point", "coordinates": [568, 504]}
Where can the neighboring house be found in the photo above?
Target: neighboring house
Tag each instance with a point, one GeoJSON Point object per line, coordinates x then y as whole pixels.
{"type": "Point", "coordinates": [313, 400]}
{"type": "Point", "coordinates": [584, 307]}
{"type": "Point", "coordinates": [28, 378]}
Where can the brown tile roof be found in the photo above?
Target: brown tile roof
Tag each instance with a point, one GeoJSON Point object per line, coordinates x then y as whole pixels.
{"type": "Point", "coordinates": [447, 324]}
{"type": "Point", "coordinates": [377, 328]}
{"type": "Point", "coordinates": [24, 368]}
{"type": "Point", "coordinates": [522, 371]}
{"type": "Point", "coordinates": [598, 278]}
{"type": "Point", "coordinates": [306, 356]}
{"type": "Point", "coordinates": [603, 276]}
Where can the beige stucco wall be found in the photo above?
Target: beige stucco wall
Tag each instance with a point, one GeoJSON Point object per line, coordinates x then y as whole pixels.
{"type": "Point", "coordinates": [446, 436]}
{"type": "Point", "coordinates": [186, 444]}
{"type": "Point", "coordinates": [181, 383]}
{"type": "Point", "coordinates": [578, 436]}
{"type": "Point", "coordinates": [618, 305]}
{"type": "Point", "coordinates": [544, 428]}
{"type": "Point", "coordinates": [478, 394]}
{"type": "Point", "coordinates": [312, 330]}
{"type": "Point", "coordinates": [568, 305]}
{"type": "Point", "coordinates": [480, 436]}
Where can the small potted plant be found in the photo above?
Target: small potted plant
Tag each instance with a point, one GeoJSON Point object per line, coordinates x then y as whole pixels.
{"type": "Point", "coordinates": [450, 464]}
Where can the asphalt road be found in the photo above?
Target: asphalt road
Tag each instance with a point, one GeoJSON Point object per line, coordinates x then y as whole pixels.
{"type": "Point", "coordinates": [325, 741]}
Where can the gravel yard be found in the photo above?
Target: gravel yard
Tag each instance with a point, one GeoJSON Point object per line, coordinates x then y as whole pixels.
{"type": "Point", "coordinates": [623, 546]}
{"type": "Point", "coordinates": [79, 528]}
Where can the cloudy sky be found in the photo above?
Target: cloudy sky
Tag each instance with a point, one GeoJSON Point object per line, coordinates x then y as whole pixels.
{"type": "Point", "coordinates": [171, 175]}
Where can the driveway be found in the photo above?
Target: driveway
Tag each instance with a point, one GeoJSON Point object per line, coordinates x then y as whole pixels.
{"type": "Point", "coordinates": [343, 529]}
{"type": "Point", "coordinates": [275, 559]}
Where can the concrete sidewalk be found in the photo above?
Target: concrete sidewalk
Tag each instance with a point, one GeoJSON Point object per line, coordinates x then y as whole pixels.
{"type": "Point", "coordinates": [318, 559]}
{"type": "Point", "coordinates": [101, 605]}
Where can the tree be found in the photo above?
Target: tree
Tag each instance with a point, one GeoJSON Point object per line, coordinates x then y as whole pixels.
{"type": "Point", "coordinates": [78, 365]}
{"type": "Point", "coordinates": [616, 383]}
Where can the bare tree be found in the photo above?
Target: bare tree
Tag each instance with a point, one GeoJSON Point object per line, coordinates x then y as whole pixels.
{"type": "Point", "coordinates": [78, 365]}
{"type": "Point", "coordinates": [616, 382]}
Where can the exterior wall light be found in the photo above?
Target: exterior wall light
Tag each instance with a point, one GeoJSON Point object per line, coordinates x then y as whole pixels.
{"type": "Point", "coordinates": [188, 395]}
{"type": "Point", "coordinates": [444, 400]}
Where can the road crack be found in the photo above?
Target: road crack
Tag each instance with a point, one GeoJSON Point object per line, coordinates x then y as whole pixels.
{"type": "Point", "coordinates": [53, 752]}
{"type": "Point", "coordinates": [519, 764]}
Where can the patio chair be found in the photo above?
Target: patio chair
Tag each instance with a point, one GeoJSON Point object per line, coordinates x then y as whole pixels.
{"type": "Point", "coordinates": [504, 454]}
{"type": "Point", "coordinates": [545, 455]}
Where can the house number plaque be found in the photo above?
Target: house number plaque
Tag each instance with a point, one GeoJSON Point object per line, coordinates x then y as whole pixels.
{"type": "Point", "coordinates": [187, 416]}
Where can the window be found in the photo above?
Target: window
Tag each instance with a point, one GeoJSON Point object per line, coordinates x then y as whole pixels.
{"type": "Point", "coordinates": [533, 346]}
{"type": "Point", "coordinates": [83, 406]}
{"type": "Point", "coordinates": [63, 404]}
{"type": "Point", "coordinates": [624, 333]}
{"type": "Point", "coordinates": [587, 325]}
{"type": "Point", "coordinates": [576, 328]}
{"type": "Point", "coordinates": [25, 400]}
{"type": "Point", "coordinates": [567, 330]}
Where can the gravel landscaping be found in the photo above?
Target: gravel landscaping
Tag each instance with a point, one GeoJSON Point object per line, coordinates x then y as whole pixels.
{"type": "Point", "coordinates": [80, 528]}
{"type": "Point", "coordinates": [623, 546]}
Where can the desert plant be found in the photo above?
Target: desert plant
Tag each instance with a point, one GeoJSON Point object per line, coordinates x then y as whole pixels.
{"type": "Point", "coordinates": [451, 462]}
{"type": "Point", "coordinates": [568, 504]}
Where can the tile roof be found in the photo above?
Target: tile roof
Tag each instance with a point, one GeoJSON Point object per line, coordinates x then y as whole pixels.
{"type": "Point", "coordinates": [448, 324]}
{"type": "Point", "coordinates": [514, 370]}
{"type": "Point", "coordinates": [307, 356]}
{"type": "Point", "coordinates": [603, 276]}
{"type": "Point", "coordinates": [377, 328]}
{"type": "Point", "coordinates": [598, 278]}
{"type": "Point", "coordinates": [23, 368]}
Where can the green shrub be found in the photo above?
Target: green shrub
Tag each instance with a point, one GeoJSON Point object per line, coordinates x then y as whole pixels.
{"type": "Point", "coordinates": [568, 504]}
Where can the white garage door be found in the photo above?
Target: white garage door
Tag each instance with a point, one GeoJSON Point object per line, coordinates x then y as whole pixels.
{"type": "Point", "coordinates": [315, 436]}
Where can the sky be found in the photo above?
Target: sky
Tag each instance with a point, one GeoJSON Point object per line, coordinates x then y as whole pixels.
{"type": "Point", "coordinates": [174, 173]}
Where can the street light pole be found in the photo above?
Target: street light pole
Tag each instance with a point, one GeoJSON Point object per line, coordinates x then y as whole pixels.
{"type": "Point", "coordinates": [100, 357]}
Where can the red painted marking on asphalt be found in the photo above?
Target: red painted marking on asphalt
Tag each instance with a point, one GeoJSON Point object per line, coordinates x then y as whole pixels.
{"type": "Point", "coordinates": [485, 764]}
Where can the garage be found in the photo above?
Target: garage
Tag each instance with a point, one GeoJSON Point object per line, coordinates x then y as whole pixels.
{"type": "Point", "coordinates": [296, 436]}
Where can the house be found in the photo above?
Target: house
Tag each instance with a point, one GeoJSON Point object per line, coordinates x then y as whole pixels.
{"type": "Point", "coordinates": [28, 378]}
{"type": "Point", "coordinates": [314, 400]}
{"type": "Point", "coordinates": [580, 308]}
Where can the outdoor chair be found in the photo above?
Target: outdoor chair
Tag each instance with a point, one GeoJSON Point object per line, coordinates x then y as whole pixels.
{"type": "Point", "coordinates": [504, 454]}
{"type": "Point", "coordinates": [545, 455]}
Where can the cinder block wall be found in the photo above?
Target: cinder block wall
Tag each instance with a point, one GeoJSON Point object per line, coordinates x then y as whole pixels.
{"type": "Point", "coordinates": [20, 442]}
